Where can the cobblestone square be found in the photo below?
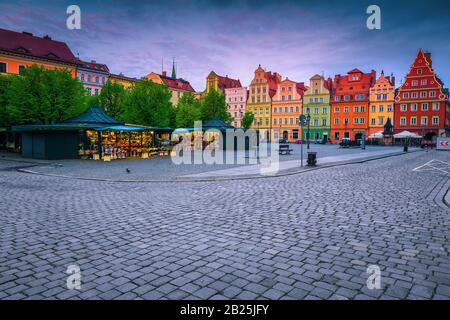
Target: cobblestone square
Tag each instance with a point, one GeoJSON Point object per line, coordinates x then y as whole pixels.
{"type": "Point", "coordinates": [310, 235]}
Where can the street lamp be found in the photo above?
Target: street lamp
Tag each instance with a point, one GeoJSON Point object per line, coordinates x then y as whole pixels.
{"type": "Point", "coordinates": [308, 120]}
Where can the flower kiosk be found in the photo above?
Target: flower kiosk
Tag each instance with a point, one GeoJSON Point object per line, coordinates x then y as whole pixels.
{"type": "Point", "coordinates": [91, 135]}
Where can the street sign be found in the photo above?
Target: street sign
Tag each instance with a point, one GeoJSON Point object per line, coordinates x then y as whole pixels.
{"type": "Point", "coordinates": [443, 144]}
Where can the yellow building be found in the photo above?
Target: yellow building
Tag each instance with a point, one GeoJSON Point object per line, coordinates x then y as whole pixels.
{"type": "Point", "coordinates": [381, 103]}
{"type": "Point", "coordinates": [126, 82]}
{"type": "Point", "coordinates": [220, 83]}
{"type": "Point", "coordinates": [261, 91]}
{"type": "Point", "coordinates": [176, 86]}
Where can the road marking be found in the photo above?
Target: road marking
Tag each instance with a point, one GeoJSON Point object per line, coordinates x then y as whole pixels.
{"type": "Point", "coordinates": [434, 165]}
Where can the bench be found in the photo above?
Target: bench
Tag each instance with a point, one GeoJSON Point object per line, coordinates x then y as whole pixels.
{"type": "Point", "coordinates": [284, 149]}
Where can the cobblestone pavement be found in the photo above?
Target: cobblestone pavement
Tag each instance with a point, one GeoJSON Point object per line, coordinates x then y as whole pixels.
{"type": "Point", "coordinates": [306, 236]}
{"type": "Point", "coordinates": [164, 168]}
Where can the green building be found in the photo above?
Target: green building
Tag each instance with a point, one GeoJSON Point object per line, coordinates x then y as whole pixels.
{"type": "Point", "coordinates": [316, 102]}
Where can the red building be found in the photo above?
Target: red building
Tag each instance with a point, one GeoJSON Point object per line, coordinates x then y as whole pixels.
{"type": "Point", "coordinates": [350, 105]}
{"type": "Point", "coordinates": [421, 101]}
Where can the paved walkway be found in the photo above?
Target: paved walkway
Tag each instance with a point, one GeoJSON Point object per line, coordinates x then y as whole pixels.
{"type": "Point", "coordinates": [283, 166]}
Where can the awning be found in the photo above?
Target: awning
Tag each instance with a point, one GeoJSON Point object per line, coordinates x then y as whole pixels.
{"type": "Point", "coordinates": [125, 128]}
{"type": "Point", "coordinates": [407, 134]}
{"type": "Point", "coordinates": [376, 135]}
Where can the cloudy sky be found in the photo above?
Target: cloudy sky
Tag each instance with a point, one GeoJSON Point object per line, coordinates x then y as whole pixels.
{"type": "Point", "coordinates": [295, 38]}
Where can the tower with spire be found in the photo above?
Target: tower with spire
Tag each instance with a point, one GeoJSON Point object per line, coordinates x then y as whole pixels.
{"type": "Point", "coordinates": [174, 73]}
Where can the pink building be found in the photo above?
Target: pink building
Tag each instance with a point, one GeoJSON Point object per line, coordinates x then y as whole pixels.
{"type": "Point", "coordinates": [236, 99]}
{"type": "Point", "coordinates": [93, 75]}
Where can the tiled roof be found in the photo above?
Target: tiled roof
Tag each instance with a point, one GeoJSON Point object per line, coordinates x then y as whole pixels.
{"type": "Point", "coordinates": [179, 83]}
{"type": "Point", "coordinates": [93, 66]}
{"type": "Point", "coordinates": [272, 81]}
{"type": "Point", "coordinates": [225, 83]}
{"type": "Point", "coordinates": [343, 84]}
{"type": "Point", "coordinates": [301, 88]}
{"type": "Point", "coordinates": [122, 77]}
{"type": "Point", "coordinates": [29, 45]}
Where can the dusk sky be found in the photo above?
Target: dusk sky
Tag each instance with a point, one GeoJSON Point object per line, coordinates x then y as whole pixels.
{"type": "Point", "coordinates": [294, 38]}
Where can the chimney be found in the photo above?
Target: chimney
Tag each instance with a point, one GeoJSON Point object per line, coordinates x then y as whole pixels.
{"type": "Point", "coordinates": [47, 37]}
{"type": "Point", "coordinates": [392, 80]}
{"type": "Point", "coordinates": [164, 73]}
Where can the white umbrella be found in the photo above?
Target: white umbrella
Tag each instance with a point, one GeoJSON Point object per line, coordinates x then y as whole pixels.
{"type": "Point", "coordinates": [376, 135]}
{"type": "Point", "coordinates": [406, 134]}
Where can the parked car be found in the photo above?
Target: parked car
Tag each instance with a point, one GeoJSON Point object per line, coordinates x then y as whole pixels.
{"type": "Point", "coordinates": [299, 141]}
{"type": "Point", "coordinates": [320, 141]}
{"type": "Point", "coordinates": [282, 141]}
{"type": "Point", "coordinates": [347, 143]}
{"type": "Point", "coordinates": [428, 144]}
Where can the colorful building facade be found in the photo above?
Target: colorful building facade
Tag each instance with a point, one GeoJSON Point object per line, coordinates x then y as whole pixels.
{"type": "Point", "coordinates": [124, 81]}
{"type": "Point", "coordinates": [177, 86]}
{"type": "Point", "coordinates": [93, 75]}
{"type": "Point", "coordinates": [236, 99]}
{"type": "Point", "coordinates": [382, 95]}
{"type": "Point", "coordinates": [261, 91]}
{"type": "Point", "coordinates": [316, 102]}
{"type": "Point", "coordinates": [350, 105]}
{"type": "Point", "coordinates": [421, 101]}
{"type": "Point", "coordinates": [21, 50]}
{"type": "Point", "coordinates": [220, 83]}
{"type": "Point", "coordinates": [286, 109]}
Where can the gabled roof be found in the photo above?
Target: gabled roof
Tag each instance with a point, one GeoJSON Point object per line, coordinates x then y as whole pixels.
{"type": "Point", "coordinates": [272, 81]}
{"type": "Point", "coordinates": [29, 45]}
{"type": "Point", "coordinates": [94, 66]}
{"type": "Point", "coordinates": [301, 88]}
{"type": "Point", "coordinates": [356, 70]}
{"type": "Point", "coordinates": [94, 115]}
{"type": "Point", "coordinates": [216, 123]}
{"type": "Point", "coordinates": [179, 84]}
{"type": "Point", "coordinates": [226, 83]}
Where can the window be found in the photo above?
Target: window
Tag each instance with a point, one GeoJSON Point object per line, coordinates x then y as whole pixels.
{"type": "Point", "coordinates": [316, 110]}
{"type": "Point", "coordinates": [359, 97]}
{"type": "Point", "coordinates": [403, 107]}
{"type": "Point", "coordinates": [384, 96]}
{"type": "Point", "coordinates": [297, 109]}
{"type": "Point", "coordinates": [362, 120]}
{"type": "Point", "coordinates": [435, 121]}
{"type": "Point", "coordinates": [283, 98]}
{"type": "Point", "coordinates": [336, 136]}
{"type": "Point", "coordinates": [356, 109]}
{"type": "Point", "coordinates": [413, 121]}
{"type": "Point", "coordinates": [381, 108]}
{"type": "Point", "coordinates": [324, 110]}
{"type": "Point", "coordinates": [292, 109]}
{"type": "Point", "coordinates": [405, 95]}
{"type": "Point", "coordinates": [289, 97]}
{"type": "Point", "coordinates": [419, 71]}
{"type": "Point", "coordinates": [415, 83]}
{"type": "Point", "coordinates": [403, 121]}
{"type": "Point", "coordinates": [2, 67]}
{"type": "Point", "coordinates": [274, 120]}
{"type": "Point", "coordinates": [424, 106]}
{"type": "Point", "coordinates": [337, 98]}
{"type": "Point", "coordinates": [274, 110]}
{"type": "Point", "coordinates": [432, 94]}
{"type": "Point", "coordinates": [345, 120]}
{"type": "Point", "coordinates": [82, 77]}
{"type": "Point", "coordinates": [96, 91]}
{"type": "Point", "coordinates": [424, 82]}
{"type": "Point", "coordinates": [324, 122]}
{"type": "Point", "coordinates": [380, 120]}
{"type": "Point", "coordinates": [436, 106]}
{"type": "Point", "coordinates": [345, 109]}
{"type": "Point", "coordinates": [21, 69]}
{"type": "Point", "coordinates": [389, 108]}
{"type": "Point", "coordinates": [336, 109]}
{"type": "Point", "coordinates": [372, 121]}
{"type": "Point", "coordinates": [362, 109]}
{"type": "Point", "coordinates": [336, 120]}
{"type": "Point", "coordinates": [414, 95]}
{"type": "Point", "coordinates": [346, 97]}
{"type": "Point", "coordinates": [96, 79]}
{"type": "Point", "coordinates": [291, 121]}
{"type": "Point", "coordinates": [89, 90]}
{"type": "Point", "coordinates": [374, 108]}
{"type": "Point", "coordinates": [316, 122]}
{"type": "Point", "coordinates": [89, 78]}
{"type": "Point", "coordinates": [424, 121]}
{"type": "Point", "coordinates": [285, 109]}
{"type": "Point", "coordinates": [414, 107]}
{"type": "Point", "coordinates": [423, 94]}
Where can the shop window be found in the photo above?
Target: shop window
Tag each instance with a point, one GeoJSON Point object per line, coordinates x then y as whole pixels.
{"type": "Point", "coordinates": [2, 67]}
{"type": "Point", "coordinates": [336, 136]}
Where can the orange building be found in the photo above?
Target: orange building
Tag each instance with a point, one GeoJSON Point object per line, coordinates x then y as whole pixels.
{"type": "Point", "coordinates": [286, 109]}
{"type": "Point", "coordinates": [21, 50]}
{"type": "Point", "coordinates": [350, 105]}
{"type": "Point", "coordinates": [382, 95]}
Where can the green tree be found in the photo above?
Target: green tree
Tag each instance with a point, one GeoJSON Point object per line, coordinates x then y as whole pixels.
{"type": "Point", "coordinates": [5, 83]}
{"type": "Point", "coordinates": [247, 120]}
{"type": "Point", "coordinates": [111, 99]}
{"type": "Point", "coordinates": [44, 96]}
{"type": "Point", "coordinates": [188, 111]}
{"type": "Point", "coordinates": [148, 103]}
{"type": "Point", "coordinates": [215, 107]}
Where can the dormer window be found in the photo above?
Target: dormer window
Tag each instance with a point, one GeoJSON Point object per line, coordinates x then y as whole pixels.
{"type": "Point", "coordinates": [22, 50]}
{"type": "Point", "coordinates": [52, 56]}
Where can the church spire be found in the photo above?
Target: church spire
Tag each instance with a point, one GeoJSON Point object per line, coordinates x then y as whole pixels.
{"type": "Point", "coordinates": [174, 74]}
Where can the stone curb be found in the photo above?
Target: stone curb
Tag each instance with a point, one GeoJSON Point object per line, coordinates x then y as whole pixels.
{"type": "Point", "coordinates": [222, 178]}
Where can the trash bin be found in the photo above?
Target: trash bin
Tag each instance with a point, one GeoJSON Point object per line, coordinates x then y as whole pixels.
{"type": "Point", "coordinates": [312, 159]}
{"type": "Point", "coordinates": [405, 148]}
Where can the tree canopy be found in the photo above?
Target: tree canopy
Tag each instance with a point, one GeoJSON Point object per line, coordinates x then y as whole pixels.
{"type": "Point", "coordinates": [247, 120]}
{"type": "Point", "coordinates": [215, 107]}
{"type": "Point", "coordinates": [44, 96]}
{"type": "Point", "coordinates": [188, 111]}
{"type": "Point", "coordinates": [111, 99]}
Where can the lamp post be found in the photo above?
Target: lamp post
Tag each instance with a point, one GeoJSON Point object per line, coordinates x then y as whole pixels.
{"type": "Point", "coordinates": [308, 120]}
